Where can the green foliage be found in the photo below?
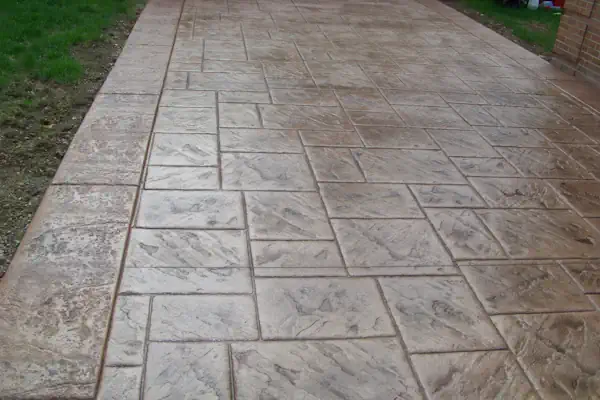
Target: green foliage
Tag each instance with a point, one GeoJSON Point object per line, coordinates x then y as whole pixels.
{"type": "Point", "coordinates": [36, 36]}
{"type": "Point", "coordinates": [536, 27]}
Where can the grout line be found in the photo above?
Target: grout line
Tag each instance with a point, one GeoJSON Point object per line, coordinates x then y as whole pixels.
{"type": "Point", "coordinates": [400, 339]}
{"type": "Point", "coordinates": [131, 224]}
{"type": "Point", "coordinates": [251, 266]}
{"type": "Point", "coordinates": [146, 346]}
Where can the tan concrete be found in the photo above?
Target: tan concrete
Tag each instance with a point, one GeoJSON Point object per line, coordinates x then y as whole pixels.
{"type": "Point", "coordinates": [324, 200]}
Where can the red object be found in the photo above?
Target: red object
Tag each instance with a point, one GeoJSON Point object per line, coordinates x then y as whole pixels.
{"type": "Point", "coordinates": [559, 3]}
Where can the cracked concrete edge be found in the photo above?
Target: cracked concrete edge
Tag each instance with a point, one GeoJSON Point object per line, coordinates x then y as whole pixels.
{"type": "Point", "coordinates": [57, 297]}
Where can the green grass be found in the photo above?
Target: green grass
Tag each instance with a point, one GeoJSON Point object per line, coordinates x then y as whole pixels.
{"type": "Point", "coordinates": [535, 27]}
{"type": "Point", "coordinates": [54, 55]}
{"type": "Point", "coordinates": [36, 36]}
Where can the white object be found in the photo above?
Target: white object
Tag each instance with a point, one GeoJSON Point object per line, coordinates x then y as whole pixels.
{"type": "Point", "coordinates": [533, 4]}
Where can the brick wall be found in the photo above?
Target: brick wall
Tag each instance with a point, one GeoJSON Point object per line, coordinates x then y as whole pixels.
{"type": "Point", "coordinates": [578, 39]}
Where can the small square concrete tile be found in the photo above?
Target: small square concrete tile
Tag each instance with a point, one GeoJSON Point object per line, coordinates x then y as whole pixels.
{"type": "Point", "coordinates": [339, 75]}
{"type": "Point", "coordinates": [407, 166]}
{"type": "Point", "coordinates": [244, 97]}
{"type": "Point", "coordinates": [186, 120]}
{"type": "Point", "coordinates": [182, 178]}
{"type": "Point", "coordinates": [544, 163]}
{"type": "Point", "coordinates": [246, 67]}
{"type": "Point", "coordinates": [363, 100]}
{"type": "Point", "coordinates": [493, 166]}
{"type": "Point", "coordinates": [227, 81]}
{"type": "Point", "coordinates": [173, 248]}
{"type": "Point", "coordinates": [542, 233]}
{"type": "Point", "coordinates": [439, 314]}
{"type": "Point", "coordinates": [120, 383]}
{"type": "Point", "coordinates": [586, 273]}
{"type": "Point", "coordinates": [111, 159]}
{"type": "Point", "coordinates": [296, 258]}
{"type": "Point", "coordinates": [188, 98]}
{"type": "Point", "coordinates": [292, 216]}
{"type": "Point", "coordinates": [207, 317]}
{"type": "Point", "coordinates": [475, 115]}
{"type": "Point", "coordinates": [558, 352]}
{"type": "Point", "coordinates": [184, 150]}
{"type": "Point", "coordinates": [457, 196]}
{"type": "Point", "coordinates": [473, 376]}
{"type": "Point", "coordinates": [370, 118]}
{"type": "Point", "coordinates": [287, 75]}
{"type": "Point", "coordinates": [520, 117]}
{"type": "Point", "coordinates": [517, 193]}
{"type": "Point", "coordinates": [521, 137]}
{"type": "Point", "coordinates": [177, 76]}
{"type": "Point", "coordinates": [331, 138]}
{"type": "Point", "coordinates": [224, 50]}
{"type": "Point", "coordinates": [334, 164]}
{"type": "Point", "coordinates": [464, 234]}
{"type": "Point", "coordinates": [260, 141]}
{"type": "Point", "coordinates": [128, 80]}
{"type": "Point", "coordinates": [185, 280]}
{"type": "Point", "coordinates": [570, 136]}
{"type": "Point", "coordinates": [396, 137]}
{"type": "Point", "coordinates": [177, 369]}
{"type": "Point", "coordinates": [272, 50]}
{"type": "Point", "coordinates": [463, 98]}
{"type": "Point", "coordinates": [547, 288]}
{"type": "Point", "coordinates": [232, 115]}
{"type": "Point", "coordinates": [390, 243]}
{"type": "Point", "coordinates": [588, 156]}
{"type": "Point", "coordinates": [369, 200]}
{"type": "Point", "coordinates": [349, 369]}
{"type": "Point", "coordinates": [321, 308]}
{"type": "Point", "coordinates": [128, 331]}
{"type": "Point", "coordinates": [509, 99]}
{"type": "Point", "coordinates": [462, 143]}
{"type": "Point", "coordinates": [265, 171]}
{"type": "Point", "coordinates": [413, 98]}
{"type": "Point", "coordinates": [430, 117]}
{"type": "Point", "coordinates": [190, 209]}
{"type": "Point", "coordinates": [304, 117]}
{"type": "Point", "coordinates": [305, 97]}
{"type": "Point", "coordinates": [584, 196]}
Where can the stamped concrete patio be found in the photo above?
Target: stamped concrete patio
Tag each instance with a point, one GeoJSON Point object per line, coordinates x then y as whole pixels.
{"type": "Point", "coordinates": [316, 199]}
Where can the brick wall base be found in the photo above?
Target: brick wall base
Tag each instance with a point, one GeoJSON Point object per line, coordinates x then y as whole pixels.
{"type": "Point", "coordinates": [577, 44]}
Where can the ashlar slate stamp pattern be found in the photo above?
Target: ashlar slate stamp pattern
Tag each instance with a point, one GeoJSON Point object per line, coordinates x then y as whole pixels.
{"type": "Point", "coordinates": [353, 200]}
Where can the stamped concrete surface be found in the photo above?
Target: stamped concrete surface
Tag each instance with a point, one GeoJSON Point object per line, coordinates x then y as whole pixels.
{"type": "Point", "coordinates": [321, 200]}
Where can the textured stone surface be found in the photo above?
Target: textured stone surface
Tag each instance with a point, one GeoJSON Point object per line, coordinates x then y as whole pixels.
{"type": "Point", "coordinates": [203, 318]}
{"type": "Point", "coordinates": [184, 150]}
{"type": "Point", "coordinates": [461, 196]}
{"type": "Point", "coordinates": [407, 166]}
{"type": "Point", "coordinates": [464, 234]}
{"type": "Point", "coordinates": [120, 383]}
{"type": "Point", "coordinates": [517, 193]}
{"type": "Point", "coordinates": [394, 243]}
{"type": "Point", "coordinates": [186, 248]}
{"type": "Point", "coordinates": [354, 163]}
{"type": "Point", "coordinates": [175, 209]}
{"type": "Point", "coordinates": [323, 370]}
{"type": "Point", "coordinates": [439, 314]}
{"type": "Point", "coordinates": [559, 352]}
{"type": "Point", "coordinates": [321, 308]}
{"type": "Point", "coordinates": [540, 233]}
{"type": "Point", "coordinates": [264, 171]}
{"type": "Point", "coordinates": [177, 369]}
{"type": "Point", "coordinates": [474, 375]}
{"type": "Point", "coordinates": [128, 331]}
{"type": "Point", "coordinates": [365, 200]}
{"type": "Point", "coordinates": [525, 288]}
{"type": "Point", "coordinates": [293, 216]}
